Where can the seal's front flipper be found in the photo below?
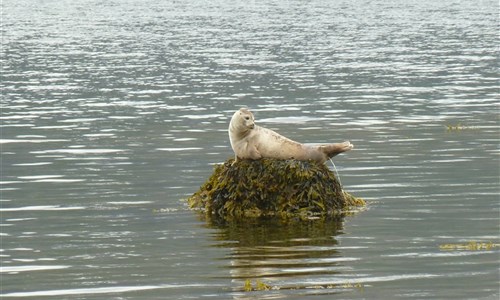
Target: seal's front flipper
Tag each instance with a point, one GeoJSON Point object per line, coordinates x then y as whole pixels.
{"type": "Point", "coordinates": [254, 153]}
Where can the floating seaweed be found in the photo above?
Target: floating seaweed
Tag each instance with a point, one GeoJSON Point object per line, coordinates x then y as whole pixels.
{"type": "Point", "coordinates": [261, 286]}
{"type": "Point", "coordinates": [470, 246]}
{"type": "Point", "coordinates": [459, 127]}
{"type": "Point", "coordinates": [271, 187]}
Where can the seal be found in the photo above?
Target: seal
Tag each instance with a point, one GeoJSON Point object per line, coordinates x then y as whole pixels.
{"type": "Point", "coordinates": [250, 141]}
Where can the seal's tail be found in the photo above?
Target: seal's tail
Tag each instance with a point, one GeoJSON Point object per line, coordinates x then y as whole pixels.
{"type": "Point", "coordinates": [333, 149]}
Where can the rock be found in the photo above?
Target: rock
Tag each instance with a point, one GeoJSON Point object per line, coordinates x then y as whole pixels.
{"type": "Point", "coordinates": [271, 187]}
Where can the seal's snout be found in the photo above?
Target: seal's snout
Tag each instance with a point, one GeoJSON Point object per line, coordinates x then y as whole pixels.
{"type": "Point", "coordinates": [251, 126]}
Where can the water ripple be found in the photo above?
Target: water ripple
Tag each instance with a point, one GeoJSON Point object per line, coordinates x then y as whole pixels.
{"type": "Point", "coordinates": [27, 268]}
{"type": "Point", "coordinates": [113, 111]}
{"type": "Point", "coordinates": [41, 208]}
{"type": "Point", "coordinates": [100, 290]}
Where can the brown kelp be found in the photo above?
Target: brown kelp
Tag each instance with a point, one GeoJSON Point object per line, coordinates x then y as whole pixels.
{"type": "Point", "coordinates": [271, 187]}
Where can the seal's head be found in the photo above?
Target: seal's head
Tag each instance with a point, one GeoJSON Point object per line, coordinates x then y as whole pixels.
{"type": "Point", "coordinates": [242, 121]}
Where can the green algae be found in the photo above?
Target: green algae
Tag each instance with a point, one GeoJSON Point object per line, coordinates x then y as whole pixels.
{"type": "Point", "coordinates": [271, 187]}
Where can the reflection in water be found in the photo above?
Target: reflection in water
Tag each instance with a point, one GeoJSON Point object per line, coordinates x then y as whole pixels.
{"type": "Point", "coordinates": [284, 255]}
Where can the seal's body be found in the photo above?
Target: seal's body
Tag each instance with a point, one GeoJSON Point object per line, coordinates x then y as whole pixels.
{"type": "Point", "coordinates": [254, 142]}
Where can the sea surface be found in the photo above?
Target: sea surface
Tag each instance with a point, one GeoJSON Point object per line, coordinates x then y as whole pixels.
{"type": "Point", "coordinates": [114, 112]}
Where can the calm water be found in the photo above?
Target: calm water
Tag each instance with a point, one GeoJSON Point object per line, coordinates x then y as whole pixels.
{"type": "Point", "coordinates": [113, 112]}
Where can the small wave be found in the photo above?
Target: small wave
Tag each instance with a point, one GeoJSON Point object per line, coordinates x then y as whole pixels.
{"type": "Point", "coordinates": [20, 219]}
{"type": "Point", "coordinates": [56, 127]}
{"type": "Point", "coordinates": [8, 182]}
{"type": "Point", "coordinates": [16, 269]}
{"type": "Point", "coordinates": [49, 178]}
{"type": "Point", "coordinates": [178, 149]}
{"type": "Point", "coordinates": [40, 176]}
{"type": "Point", "coordinates": [60, 180]}
{"type": "Point", "coordinates": [377, 279]}
{"type": "Point", "coordinates": [123, 117]}
{"type": "Point", "coordinates": [32, 164]}
{"type": "Point", "coordinates": [81, 120]}
{"type": "Point", "coordinates": [129, 202]}
{"type": "Point", "coordinates": [438, 254]}
{"type": "Point", "coordinates": [78, 151]}
{"type": "Point", "coordinates": [41, 208]}
{"type": "Point", "coordinates": [99, 290]}
{"type": "Point", "coordinates": [12, 141]}
{"type": "Point", "coordinates": [99, 134]}
{"type": "Point", "coordinates": [198, 117]}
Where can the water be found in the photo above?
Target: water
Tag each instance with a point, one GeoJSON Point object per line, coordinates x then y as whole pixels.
{"type": "Point", "coordinates": [114, 112]}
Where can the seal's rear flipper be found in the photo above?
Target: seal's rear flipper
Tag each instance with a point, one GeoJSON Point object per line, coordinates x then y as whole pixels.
{"type": "Point", "coordinates": [333, 149]}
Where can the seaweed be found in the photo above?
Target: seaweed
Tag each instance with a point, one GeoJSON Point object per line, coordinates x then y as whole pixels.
{"type": "Point", "coordinates": [470, 246]}
{"type": "Point", "coordinates": [272, 187]}
{"type": "Point", "coordinates": [261, 286]}
{"type": "Point", "coordinates": [459, 127]}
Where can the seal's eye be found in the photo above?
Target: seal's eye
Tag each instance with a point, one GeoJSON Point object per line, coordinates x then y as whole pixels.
{"type": "Point", "coordinates": [247, 118]}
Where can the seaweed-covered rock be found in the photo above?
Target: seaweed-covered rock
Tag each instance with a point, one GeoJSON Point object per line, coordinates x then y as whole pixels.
{"type": "Point", "coordinates": [271, 187]}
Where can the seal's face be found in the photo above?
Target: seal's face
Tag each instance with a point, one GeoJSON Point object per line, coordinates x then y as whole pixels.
{"type": "Point", "coordinates": [247, 119]}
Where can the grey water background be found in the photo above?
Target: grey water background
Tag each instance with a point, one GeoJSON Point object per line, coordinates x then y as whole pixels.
{"type": "Point", "coordinates": [114, 112]}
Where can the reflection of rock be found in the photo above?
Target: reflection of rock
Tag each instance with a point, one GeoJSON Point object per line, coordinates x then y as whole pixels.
{"type": "Point", "coordinates": [271, 187]}
{"type": "Point", "coordinates": [267, 231]}
{"type": "Point", "coordinates": [280, 219]}
{"type": "Point", "coordinates": [284, 254]}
